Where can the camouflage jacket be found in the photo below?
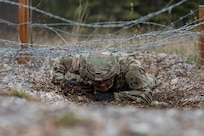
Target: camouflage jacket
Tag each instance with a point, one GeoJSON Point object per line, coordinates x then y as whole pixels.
{"type": "Point", "coordinates": [131, 83]}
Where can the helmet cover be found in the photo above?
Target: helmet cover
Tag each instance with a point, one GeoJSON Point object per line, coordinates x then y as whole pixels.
{"type": "Point", "coordinates": [100, 66]}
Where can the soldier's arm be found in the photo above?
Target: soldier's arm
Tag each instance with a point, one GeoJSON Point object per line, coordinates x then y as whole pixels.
{"type": "Point", "coordinates": [61, 66]}
{"type": "Point", "coordinates": [137, 81]}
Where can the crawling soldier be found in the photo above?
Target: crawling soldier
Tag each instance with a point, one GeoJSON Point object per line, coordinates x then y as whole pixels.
{"type": "Point", "coordinates": [109, 75]}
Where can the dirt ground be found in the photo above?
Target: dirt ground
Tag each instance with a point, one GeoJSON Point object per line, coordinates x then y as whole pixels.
{"type": "Point", "coordinates": [178, 102]}
{"type": "Point", "coordinates": [180, 84]}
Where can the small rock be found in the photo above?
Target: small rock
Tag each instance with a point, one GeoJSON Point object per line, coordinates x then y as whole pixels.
{"type": "Point", "coordinates": [157, 103]}
{"type": "Point", "coordinates": [162, 55]}
{"type": "Point", "coordinates": [174, 81]}
{"type": "Point", "coordinates": [79, 98]}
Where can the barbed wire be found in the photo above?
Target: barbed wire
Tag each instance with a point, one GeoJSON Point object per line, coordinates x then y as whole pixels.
{"type": "Point", "coordinates": [167, 35]}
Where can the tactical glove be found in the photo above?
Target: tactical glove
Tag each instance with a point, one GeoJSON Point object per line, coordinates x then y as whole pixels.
{"type": "Point", "coordinates": [63, 84]}
{"type": "Point", "coordinates": [101, 96]}
{"type": "Point", "coordinates": [72, 83]}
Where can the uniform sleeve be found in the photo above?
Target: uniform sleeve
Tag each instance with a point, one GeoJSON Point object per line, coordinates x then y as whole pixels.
{"type": "Point", "coordinates": [135, 77]}
{"type": "Point", "coordinates": [61, 66]}
{"type": "Point", "coordinates": [137, 81]}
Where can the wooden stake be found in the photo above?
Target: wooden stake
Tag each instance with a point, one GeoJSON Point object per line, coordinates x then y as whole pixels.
{"type": "Point", "coordinates": [201, 38]}
{"type": "Point", "coordinates": [23, 19]}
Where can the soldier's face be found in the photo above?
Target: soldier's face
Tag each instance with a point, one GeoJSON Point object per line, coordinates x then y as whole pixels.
{"type": "Point", "coordinates": [103, 85]}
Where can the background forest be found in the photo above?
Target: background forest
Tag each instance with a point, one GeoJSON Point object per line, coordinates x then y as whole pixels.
{"type": "Point", "coordinates": [90, 11]}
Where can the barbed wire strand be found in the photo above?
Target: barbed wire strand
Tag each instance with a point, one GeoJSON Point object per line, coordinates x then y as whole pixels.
{"type": "Point", "coordinates": [111, 41]}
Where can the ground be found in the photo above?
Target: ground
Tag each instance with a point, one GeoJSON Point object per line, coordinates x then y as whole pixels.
{"type": "Point", "coordinates": [178, 100]}
{"type": "Point", "coordinates": [179, 83]}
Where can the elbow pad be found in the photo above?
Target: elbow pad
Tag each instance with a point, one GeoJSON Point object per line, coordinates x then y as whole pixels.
{"type": "Point", "coordinates": [135, 79]}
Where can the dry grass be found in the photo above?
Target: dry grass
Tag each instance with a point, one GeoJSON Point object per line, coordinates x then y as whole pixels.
{"type": "Point", "coordinates": [19, 94]}
{"type": "Point", "coordinates": [185, 47]}
{"type": "Point", "coordinates": [182, 49]}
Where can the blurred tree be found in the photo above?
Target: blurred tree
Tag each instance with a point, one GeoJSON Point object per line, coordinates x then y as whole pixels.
{"type": "Point", "coordinates": [114, 10]}
{"type": "Point", "coordinates": [106, 10]}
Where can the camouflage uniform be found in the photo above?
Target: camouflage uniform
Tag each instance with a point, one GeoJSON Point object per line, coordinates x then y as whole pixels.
{"type": "Point", "coordinates": [131, 81]}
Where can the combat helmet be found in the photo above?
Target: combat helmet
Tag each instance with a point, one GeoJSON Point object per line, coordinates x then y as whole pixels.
{"type": "Point", "coordinates": [99, 66]}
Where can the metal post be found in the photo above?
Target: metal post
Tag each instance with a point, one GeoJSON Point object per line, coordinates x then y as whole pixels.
{"type": "Point", "coordinates": [201, 30]}
{"type": "Point", "coordinates": [23, 19]}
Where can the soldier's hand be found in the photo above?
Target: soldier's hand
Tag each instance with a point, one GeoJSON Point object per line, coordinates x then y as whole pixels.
{"type": "Point", "coordinates": [105, 96]}
{"type": "Point", "coordinates": [63, 84]}
{"type": "Point", "coordinates": [72, 83]}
